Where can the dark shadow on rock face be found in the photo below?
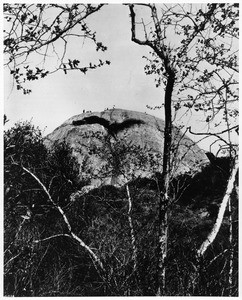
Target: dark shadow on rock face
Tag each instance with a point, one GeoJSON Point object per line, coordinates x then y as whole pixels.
{"type": "Point", "coordinates": [127, 138]}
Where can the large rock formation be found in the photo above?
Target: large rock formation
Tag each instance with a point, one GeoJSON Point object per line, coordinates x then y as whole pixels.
{"type": "Point", "coordinates": [119, 153]}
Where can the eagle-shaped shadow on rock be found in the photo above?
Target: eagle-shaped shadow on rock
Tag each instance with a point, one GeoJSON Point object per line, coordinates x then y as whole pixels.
{"type": "Point", "coordinates": [112, 128]}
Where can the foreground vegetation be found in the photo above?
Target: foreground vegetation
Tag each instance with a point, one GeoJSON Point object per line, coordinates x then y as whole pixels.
{"type": "Point", "coordinates": [42, 257]}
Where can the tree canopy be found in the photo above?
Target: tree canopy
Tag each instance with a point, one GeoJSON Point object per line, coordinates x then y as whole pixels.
{"type": "Point", "coordinates": [44, 31]}
{"type": "Point", "coordinates": [199, 44]}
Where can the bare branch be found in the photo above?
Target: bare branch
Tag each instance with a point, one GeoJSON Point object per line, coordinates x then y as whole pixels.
{"type": "Point", "coordinates": [146, 42]}
{"type": "Point", "coordinates": [52, 237]}
{"type": "Point", "coordinates": [75, 237]}
{"type": "Point", "coordinates": [33, 28]}
{"type": "Point", "coordinates": [11, 259]}
{"type": "Point", "coordinates": [217, 134]}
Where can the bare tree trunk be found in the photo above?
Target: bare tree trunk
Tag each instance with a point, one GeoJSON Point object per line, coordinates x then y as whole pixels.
{"type": "Point", "coordinates": [231, 256]}
{"type": "Point", "coordinates": [212, 235]}
{"type": "Point", "coordinates": [133, 240]}
{"type": "Point", "coordinates": [164, 197]}
{"type": "Point", "coordinates": [164, 55]}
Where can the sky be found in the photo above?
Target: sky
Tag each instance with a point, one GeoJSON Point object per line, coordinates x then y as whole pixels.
{"type": "Point", "coordinates": [123, 84]}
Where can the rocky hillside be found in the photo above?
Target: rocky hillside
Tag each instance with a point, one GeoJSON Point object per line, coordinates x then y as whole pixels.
{"type": "Point", "coordinates": [115, 146]}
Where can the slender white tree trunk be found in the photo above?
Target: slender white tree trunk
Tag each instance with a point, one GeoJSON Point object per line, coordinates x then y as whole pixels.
{"type": "Point", "coordinates": [212, 235]}
{"type": "Point", "coordinates": [133, 240]}
{"type": "Point", "coordinates": [231, 256]}
{"type": "Point", "coordinates": [71, 234]}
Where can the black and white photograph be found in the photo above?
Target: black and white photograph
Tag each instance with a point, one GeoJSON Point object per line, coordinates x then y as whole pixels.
{"type": "Point", "coordinates": [120, 149]}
